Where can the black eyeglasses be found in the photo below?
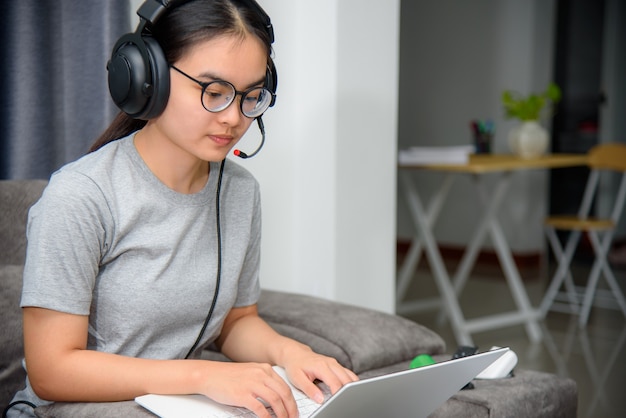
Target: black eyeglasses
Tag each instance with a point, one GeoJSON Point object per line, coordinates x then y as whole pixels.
{"type": "Point", "coordinates": [218, 95]}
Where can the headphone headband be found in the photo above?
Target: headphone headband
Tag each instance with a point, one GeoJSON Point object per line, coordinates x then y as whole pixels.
{"type": "Point", "coordinates": [151, 10]}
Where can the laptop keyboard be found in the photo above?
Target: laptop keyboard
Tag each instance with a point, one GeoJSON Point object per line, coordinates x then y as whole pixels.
{"type": "Point", "coordinates": [306, 405]}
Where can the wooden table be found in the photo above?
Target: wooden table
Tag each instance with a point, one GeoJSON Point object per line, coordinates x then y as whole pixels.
{"type": "Point", "coordinates": [503, 165]}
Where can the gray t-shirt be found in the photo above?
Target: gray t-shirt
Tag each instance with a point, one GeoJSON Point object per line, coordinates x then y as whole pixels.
{"type": "Point", "coordinates": [109, 240]}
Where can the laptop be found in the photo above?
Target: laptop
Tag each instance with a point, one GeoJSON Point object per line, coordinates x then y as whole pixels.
{"type": "Point", "coordinates": [413, 393]}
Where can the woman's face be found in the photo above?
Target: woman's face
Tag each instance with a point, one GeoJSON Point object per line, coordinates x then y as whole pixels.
{"type": "Point", "coordinates": [185, 123]}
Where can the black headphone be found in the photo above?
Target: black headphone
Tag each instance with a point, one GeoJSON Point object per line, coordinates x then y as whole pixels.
{"type": "Point", "coordinates": [139, 79]}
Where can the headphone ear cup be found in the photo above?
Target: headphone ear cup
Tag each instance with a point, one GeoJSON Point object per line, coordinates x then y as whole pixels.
{"type": "Point", "coordinates": [160, 80]}
{"type": "Point", "coordinates": [271, 79]}
{"type": "Point", "coordinates": [127, 74]}
{"type": "Point", "coordinates": [139, 80]}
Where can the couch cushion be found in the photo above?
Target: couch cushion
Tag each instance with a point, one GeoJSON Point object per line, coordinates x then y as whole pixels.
{"type": "Point", "coordinates": [360, 339]}
{"type": "Point", "coordinates": [527, 394]}
{"type": "Point", "coordinates": [126, 409]}
{"type": "Point", "coordinates": [12, 376]}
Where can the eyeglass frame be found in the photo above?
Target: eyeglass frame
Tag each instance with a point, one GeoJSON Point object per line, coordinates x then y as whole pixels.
{"type": "Point", "coordinates": [243, 94]}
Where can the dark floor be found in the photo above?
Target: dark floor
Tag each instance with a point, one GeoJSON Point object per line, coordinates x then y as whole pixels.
{"type": "Point", "coordinates": [595, 356]}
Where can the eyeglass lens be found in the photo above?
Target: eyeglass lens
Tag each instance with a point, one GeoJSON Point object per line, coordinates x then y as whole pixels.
{"type": "Point", "coordinates": [218, 95]}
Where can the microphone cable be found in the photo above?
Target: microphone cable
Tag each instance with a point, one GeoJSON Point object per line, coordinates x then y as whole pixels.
{"type": "Point", "coordinates": [219, 261]}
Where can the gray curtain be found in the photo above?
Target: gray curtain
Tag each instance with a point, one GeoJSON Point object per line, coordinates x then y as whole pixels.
{"type": "Point", "coordinates": [54, 98]}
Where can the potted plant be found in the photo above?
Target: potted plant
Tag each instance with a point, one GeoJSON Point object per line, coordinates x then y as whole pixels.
{"type": "Point", "coordinates": [529, 139]}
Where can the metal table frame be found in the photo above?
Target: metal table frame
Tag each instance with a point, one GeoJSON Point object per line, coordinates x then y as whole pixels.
{"type": "Point", "coordinates": [424, 220]}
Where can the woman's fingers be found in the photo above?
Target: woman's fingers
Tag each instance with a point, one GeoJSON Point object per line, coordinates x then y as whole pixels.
{"type": "Point", "coordinates": [257, 387]}
{"type": "Point", "coordinates": [332, 374]}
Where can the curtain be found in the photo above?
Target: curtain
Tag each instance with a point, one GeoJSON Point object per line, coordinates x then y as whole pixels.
{"type": "Point", "coordinates": [54, 98]}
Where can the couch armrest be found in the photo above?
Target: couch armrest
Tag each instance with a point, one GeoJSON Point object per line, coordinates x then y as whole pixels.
{"type": "Point", "coordinates": [12, 374]}
{"type": "Point", "coordinates": [360, 339]}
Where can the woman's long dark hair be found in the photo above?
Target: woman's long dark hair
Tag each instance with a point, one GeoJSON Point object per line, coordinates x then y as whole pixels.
{"type": "Point", "coordinates": [181, 28]}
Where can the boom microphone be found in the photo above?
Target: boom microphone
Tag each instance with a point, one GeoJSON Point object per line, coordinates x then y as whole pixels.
{"type": "Point", "coordinates": [242, 154]}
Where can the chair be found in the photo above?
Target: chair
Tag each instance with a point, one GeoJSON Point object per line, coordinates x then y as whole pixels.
{"type": "Point", "coordinates": [603, 158]}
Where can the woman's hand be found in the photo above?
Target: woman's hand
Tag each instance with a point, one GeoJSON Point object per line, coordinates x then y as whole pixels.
{"type": "Point", "coordinates": [304, 367]}
{"type": "Point", "coordinates": [246, 337]}
{"type": "Point", "coordinates": [256, 385]}
{"type": "Point", "coordinates": [253, 386]}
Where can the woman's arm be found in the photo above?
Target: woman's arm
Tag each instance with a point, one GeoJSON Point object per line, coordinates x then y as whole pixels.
{"type": "Point", "coordinates": [247, 337]}
{"type": "Point", "coordinates": [60, 368]}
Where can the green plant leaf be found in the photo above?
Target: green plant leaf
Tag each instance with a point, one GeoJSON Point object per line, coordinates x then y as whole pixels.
{"type": "Point", "coordinates": [553, 93]}
{"type": "Point", "coordinates": [529, 107]}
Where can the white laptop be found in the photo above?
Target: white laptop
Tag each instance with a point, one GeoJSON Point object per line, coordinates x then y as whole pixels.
{"type": "Point", "coordinates": [413, 393]}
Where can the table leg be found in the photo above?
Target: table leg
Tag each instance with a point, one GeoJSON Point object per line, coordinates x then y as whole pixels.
{"type": "Point", "coordinates": [489, 223]}
{"type": "Point", "coordinates": [600, 264]}
{"type": "Point", "coordinates": [473, 248]}
{"type": "Point", "coordinates": [511, 273]}
{"type": "Point", "coordinates": [529, 315]}
{"type": "Point", "coordinates": [410, 263]}
{"type": "Point", "coordinates": [440, 273]}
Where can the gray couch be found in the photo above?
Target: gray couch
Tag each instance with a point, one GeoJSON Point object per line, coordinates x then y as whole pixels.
{"type": "Point", "coordinates": [369, 342]}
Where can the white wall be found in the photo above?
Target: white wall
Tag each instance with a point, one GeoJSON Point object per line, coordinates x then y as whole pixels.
{"type": "Point", "coordinates": [456, 59]}
{"type": "Point", "coordinates": [327, 172]}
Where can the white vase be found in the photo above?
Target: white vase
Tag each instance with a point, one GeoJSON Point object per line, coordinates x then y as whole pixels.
{"type": "Point", "coordinates": [528, 139]}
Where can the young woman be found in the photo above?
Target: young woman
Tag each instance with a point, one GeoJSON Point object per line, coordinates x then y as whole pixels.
{"type": "Point", "coordinates": [146, 250]}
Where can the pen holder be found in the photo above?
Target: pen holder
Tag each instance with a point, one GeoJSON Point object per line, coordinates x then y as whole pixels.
{"type": "Point", "coordinates": [482, 142]}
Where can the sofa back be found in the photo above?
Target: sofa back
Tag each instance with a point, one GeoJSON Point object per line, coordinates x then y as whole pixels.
{"type": "Point", "coordinates": [16, 197]}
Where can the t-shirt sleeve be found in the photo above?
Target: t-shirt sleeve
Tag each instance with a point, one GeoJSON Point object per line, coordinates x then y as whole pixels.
{"type": "Point", "coordinates": [66, 238]}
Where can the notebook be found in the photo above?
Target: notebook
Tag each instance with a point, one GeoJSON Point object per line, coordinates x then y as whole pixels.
{"type": "Point", "coordinates": [413, 393]}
